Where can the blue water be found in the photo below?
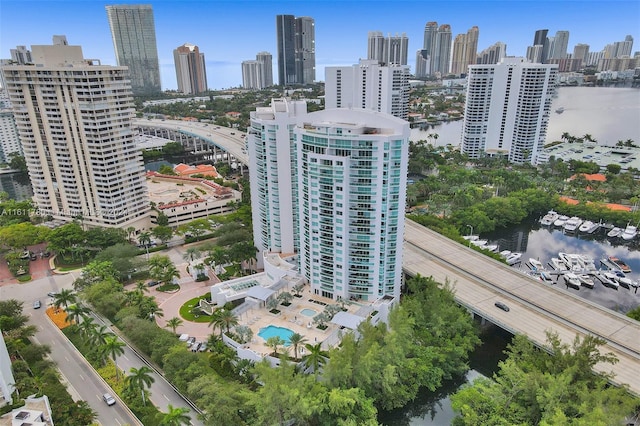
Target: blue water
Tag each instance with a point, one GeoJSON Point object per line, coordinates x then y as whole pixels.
{"type": "Point", "coordinates": [308, 312]}
{"type": "Point", "coordinates": [272, 330]}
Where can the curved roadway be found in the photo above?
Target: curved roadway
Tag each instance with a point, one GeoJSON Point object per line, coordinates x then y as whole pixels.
{"type": "Point", "coordinates": [479, 282]}
{"type": "Point", "coordinates": [225, 138]}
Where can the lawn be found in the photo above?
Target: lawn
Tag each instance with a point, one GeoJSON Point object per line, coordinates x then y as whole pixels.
{"type": "Point", "coordinates": [185, 310]}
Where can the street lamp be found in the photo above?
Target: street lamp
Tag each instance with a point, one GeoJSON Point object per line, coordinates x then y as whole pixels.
{"type": "Point", "coordinates": [470, 226]}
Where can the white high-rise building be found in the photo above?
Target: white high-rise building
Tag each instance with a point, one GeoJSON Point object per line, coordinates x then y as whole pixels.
{"type": "Point", "coordinates": [258, 74]}
{"type": "Point", "coordinates": [74, 120]}
{"type": "Point", "coordinates": [388, 50]}
{"type": "Point", "coordinates": [9, 139]}
{"type": "Point", "coordinates": [558, 45]}
{"type": "Point", "coordinates": [273, 170]}
{"type": "Point", "coordinates": [507, 109]}
{"type": "Point", "coordinates": [492, 54]}
{"type": "Point", "coordinates": [7, 381]}
{"type": "Point", "coordinates": [340, 179]}
{"type": "Point", "coordinates": [369, 85]}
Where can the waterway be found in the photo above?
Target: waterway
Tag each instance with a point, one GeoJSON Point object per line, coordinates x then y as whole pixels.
{"type": "Point", "coordinates": [608, 114]}
{"type": "Point", "coordinates": [541, 243]}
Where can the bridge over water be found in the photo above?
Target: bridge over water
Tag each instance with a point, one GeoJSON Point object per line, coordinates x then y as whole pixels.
{"type": "Point", "coordinates": [535, 307]}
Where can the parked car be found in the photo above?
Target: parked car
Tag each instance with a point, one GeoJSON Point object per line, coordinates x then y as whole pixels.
{"type": "Point", "coordinates": [36, 304]}
{"type": "Point", "coordinates": [502, 306]}
{"type": "Point", "coordinates": [183, 337]}
{"type": "Point", "coordinates": [52, 294]}
{"type": "Point", "coordinates": [108, 399]}
{"type": "Point", "coordinates": [195, 346]}
{"type": "Point", "coordinates": [190, 341]}
{"type": "Point", "coordinates": [203, 347]}
{"type": "Point", "coordinates": [153, 283]}
{"type": "Point", "coordinates": [33, 257]}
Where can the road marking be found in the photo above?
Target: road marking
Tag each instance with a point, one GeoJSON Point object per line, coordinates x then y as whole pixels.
{"type": "Point", "coordinates": [66, 359]}
{"type": "Point", "coordinates": [125, 357]}
{"type": "Point", "coordinates": [165, 396]}
{"type": "Point", "coordinates": [117, 421]}
{"type": "Point", "coordinates": [81, 377]}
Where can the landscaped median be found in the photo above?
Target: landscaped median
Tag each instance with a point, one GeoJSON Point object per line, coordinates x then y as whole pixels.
{"type": "Point", "coordinates": [94, 347]}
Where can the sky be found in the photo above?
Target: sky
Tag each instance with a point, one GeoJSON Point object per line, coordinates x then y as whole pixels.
{"type": "Point", "coordinates": [229, 32]}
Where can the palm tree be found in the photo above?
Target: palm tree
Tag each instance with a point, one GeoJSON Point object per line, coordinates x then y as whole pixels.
{"type": "Point", "coordinates": [130, 230]}
{"type": "Point", "coordinates": [228, 318]}
{"type": "Point", "coordinates": [142, 287]}
{"type": "Point", "coordinates": [315, 359]}
{"type": "Point", "coordinates": [162, 269]}
{"type": "Point", "coordinates": [65, 298]}
{"type": "Point", "coordinates": [75, 313]}
{"type": "Point", "coordinates": [140, 378]}
{"type": "Point", "coordinates": [216, 321]}
{"type": "Point", "coordinates": [174, 323]}
{"type": "Point", "coordinates": [191, 254]}
{"type": "Point", "coordinates": [113, 347]}
{"type": "Point", "coordinates": [145, 238]}
{"type": "Point", "coordinates": [275, 342]}
{"type": "Point", "coordinates": [296, 340]}
{"type": "Point", "coordinates": [175, 417]}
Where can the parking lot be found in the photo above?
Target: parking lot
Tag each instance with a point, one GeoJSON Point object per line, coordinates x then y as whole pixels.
{"type": "Point", "coordinates": [38, 268]}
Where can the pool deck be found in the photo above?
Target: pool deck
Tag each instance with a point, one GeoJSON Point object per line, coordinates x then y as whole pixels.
{"type": "Point", "coordinates": [290, 317]}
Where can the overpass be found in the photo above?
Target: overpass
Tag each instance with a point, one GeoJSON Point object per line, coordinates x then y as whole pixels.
{"type": "Point", "coordinates": [198, 137]}
{"type": "Point", "coordinates": [479, 282]}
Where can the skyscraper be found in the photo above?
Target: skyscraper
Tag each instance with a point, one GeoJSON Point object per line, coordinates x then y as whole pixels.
{"type": "Point", "coordinates": [266, 59]}
{"type": "Point", "coordinates": [581, 52]}
{"type": "Point", "coordinates": [331, 184]}
{"type": "Point", "coordinates": [558, 47]}
{"type": "Point", "coordinates": [21, 55]}
{"type": "Point", "coordinates": [442, 52]}
{"type": "Point", "coordinates": [388, 50]}
{"type": "Point", "coordinates": [541, 53]}
{"type": "Point", "coordinates": [437, 49]}
{"type": "Point", "coordinates": [507, 109]}
{"type": "Point", "coordinates": [369, 85]}
{"type": "Point", "coordinates": [296, 49]}
{"type": "Point", "coordinates": [190, 69]}
{"type": "Point", "coordinates": [465, 49]}
{"type": "Point", "coordinates": [134, 39]}
{"type": "Point", "coordinates": [492, 54]}
{"type": "Point", "coordinates": [74, 121]}
{"type": "Point", "coordinates": [257, 74]}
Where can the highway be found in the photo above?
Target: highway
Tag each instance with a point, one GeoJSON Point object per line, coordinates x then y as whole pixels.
{"type": "Point", "coordinates": [479, 282]}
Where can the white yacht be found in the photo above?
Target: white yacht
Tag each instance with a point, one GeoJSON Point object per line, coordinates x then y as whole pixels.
{"type": "Point", "coordinates": [535, 264]}
{"type": "Point", "coordinates": [589, 263]}
{"type": "Point", "coordinates": [586, 280]}
{"type": "Point", "coordinates": [549, 218]}
{"type": "Point", "coordinates": [572, 224]}
{"type": "Point", "coordinates": [572, 280]}
{"type": "Point", "coordinates": [561, 220]}
{"type": "Point", "coordinates": [629, 233]}
{"type": "Point", "coordinates": [589, 227]}
{"type": "Point", "coordinates": [558, 264]}
{"type": "Point", "coordinates": [505, 253]}
{"type": "Point", "coordinates": [471, 237]}
{"type": "Point", "coordinates": [573, 261]}
{"type": "Point", "coordinates": [614, 232]}
{"type": "Point", "coordinates": [545, 277]}
{"type": "Point", "coordinates": [609, 279]}
{"type": "Point", "coordinates": [514, 258]}
{"type": "Point", "coordinates": [479, 243]}
{"type": "Point", "coordinates": [491, 247]}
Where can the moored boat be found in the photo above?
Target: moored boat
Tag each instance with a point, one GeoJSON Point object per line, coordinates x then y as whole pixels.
{"type": "Point", "coordinates": [586, 280]}
{"type": "Point", "coordinates": [614, 232]}
{"type": "Point", "coordinates": [513, 258]}
{"type": "Point", "coordinates": [549, 218]}
{"type": "Point", "coordinates": [573, 261]}
{"type": "Point", "coordinates": [561, 220]}
{"type": "Point", "coordinates": [609, 279]}
{"type": "Point", "coordinates": [558, 264]}
{"type": "Point", "coordinates": [535, 264]}
{"type": "Point", "coordinates": [545, 277]}
{"type": "Point", "coordinates": [588, 227]}
{"type": "Point", "coordinates": [560, 110]}
{"type": "Point", "coordinates": [612, 266]}
{"type": "Point", "coordinates": [572, 224]}
{"type": "Point", "coordinates": [623, 266]}
{"type": "Point", "coordinates": [629, 233]}
{"type": "Point", "coordinates": [471, 237]}
{"type": "Point", "coordinates": [572, 280]}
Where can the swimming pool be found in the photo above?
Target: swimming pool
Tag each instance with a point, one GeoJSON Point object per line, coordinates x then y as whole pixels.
{"type": "Point", "coordinates": [308, 312]}
{"type": "Point", "coordinates": [272, 330]}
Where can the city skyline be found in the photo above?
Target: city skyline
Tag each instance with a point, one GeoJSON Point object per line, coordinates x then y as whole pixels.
{"type": "Point", "coordinates": [220, 28]}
